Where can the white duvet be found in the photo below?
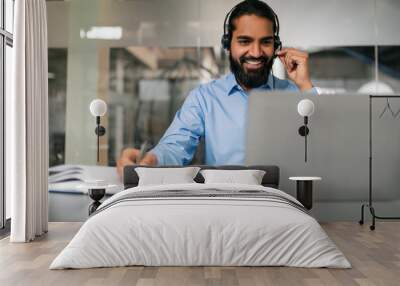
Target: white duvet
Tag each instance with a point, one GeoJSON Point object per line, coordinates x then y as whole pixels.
{"type": "Point", "coordinates": [200, 231]}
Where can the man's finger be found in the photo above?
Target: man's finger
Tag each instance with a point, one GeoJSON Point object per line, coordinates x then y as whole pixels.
{"type": "Point", "coordinates": [284, 51]}
{"type": "Point", "coordinates": [284, 62]}
{"type": "Point", "coordinates": [281, 52]}
{"type": "Point", "coordinates": [150, 160]}
{"type": "Point", "coordinates": [129, 152]}
{"type": "Point", "coordinates": [294, 59]}
{"type": "Point", "coordinates": [289, 61]}
{"type": "Point", "coordinates": [125, 161]}
{"type": "Point", "coordinates": [292, 51]}
{"type": "Point", "coordinates": [298, 53]}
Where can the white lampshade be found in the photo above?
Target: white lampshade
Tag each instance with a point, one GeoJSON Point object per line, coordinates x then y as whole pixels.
{"type": "Point", "coordinates": [98, 107]}
{"type": "Point", "coordinates": [305, 107]}
{"type": "Point", "coordinates": [376, 87]}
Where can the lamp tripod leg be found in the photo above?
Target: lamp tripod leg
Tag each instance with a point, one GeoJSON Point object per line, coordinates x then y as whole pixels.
{"type": "Point", "coordinates": [361, 222]}
{"type": "Point", "coordinates": [98, 148]}
{"type": "Point", "coordinates": [372, 210]}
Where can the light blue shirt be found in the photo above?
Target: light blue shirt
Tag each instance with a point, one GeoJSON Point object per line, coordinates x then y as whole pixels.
{"type": "Point", "coordinates": [216, 111]}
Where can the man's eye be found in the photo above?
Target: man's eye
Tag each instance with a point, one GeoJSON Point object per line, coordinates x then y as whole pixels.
{"type": "Point", "coordinates": [243, 42]}
{"type": "Point", "coordinates": [267, 42]}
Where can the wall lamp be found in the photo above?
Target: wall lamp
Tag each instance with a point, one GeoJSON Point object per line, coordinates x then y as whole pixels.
{"type": "Point", "coordinates": [305, 108]}
{"type": "Point", "coordinates": [98, 108]}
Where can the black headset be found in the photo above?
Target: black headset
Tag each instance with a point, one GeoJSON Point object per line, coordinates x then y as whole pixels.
{"type": "Point", "coordinates": [226, 37]}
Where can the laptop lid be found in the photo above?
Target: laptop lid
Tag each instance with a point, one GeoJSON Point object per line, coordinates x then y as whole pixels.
{"type": "Point", "coordinates": [338, 143]}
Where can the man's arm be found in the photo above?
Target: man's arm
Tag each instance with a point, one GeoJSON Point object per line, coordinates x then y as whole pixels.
{"type": "Point", "coordinates": [179, 143]}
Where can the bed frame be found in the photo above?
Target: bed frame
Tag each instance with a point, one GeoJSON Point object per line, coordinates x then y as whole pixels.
{"type": "Point", "coordinates": [270, 179]}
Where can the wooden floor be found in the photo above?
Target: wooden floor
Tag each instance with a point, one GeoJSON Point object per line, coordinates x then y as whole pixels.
{"type": "Point", "coordinates": [375, 256]}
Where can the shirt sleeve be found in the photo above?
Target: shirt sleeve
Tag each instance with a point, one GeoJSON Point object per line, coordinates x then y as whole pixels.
{"type": "Point", "coordinates": [293, 87]}
{"type": "Point", "coordinates": [179, 143]}
{"type": "Point", "coordinates": [315, 90]}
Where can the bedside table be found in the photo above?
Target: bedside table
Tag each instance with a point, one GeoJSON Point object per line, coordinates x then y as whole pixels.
{"type": "Point", "coordinates": [304, 190]}
{"type": "Point", "coordinates": [96, 190]}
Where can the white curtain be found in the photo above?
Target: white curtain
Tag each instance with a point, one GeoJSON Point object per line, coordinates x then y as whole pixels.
{"type": "Point", "coordinates": [27, 123]}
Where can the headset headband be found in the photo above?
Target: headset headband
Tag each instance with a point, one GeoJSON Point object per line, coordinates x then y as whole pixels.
{"type": "Point", "coordinates": [225, 40]}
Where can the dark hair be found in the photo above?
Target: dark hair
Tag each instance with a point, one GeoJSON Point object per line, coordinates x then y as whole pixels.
{"type": "Point", "coordinates": [252, 7]}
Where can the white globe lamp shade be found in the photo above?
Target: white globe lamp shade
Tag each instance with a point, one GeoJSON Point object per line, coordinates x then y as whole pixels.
{"type": "Point", "coordinates": [376, 87]}
{"type": "Point", "coordinates": [305, 107]}
{"type": "Point", "coordinates": [98, 107]}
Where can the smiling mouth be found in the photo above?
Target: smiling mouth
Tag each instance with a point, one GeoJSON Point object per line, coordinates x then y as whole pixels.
{"type": "Point", "coordinates": [253, 63]}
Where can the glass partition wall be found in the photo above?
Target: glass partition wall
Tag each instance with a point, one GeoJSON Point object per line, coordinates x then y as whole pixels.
{"type": "Point", "coordinates": [143, 58]}
{"type": "Point", "coordinates": [144, 88]}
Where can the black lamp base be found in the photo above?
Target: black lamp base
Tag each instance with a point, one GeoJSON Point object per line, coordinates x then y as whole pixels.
{"type": "Point", "coordinates": [100, 130]}
{"type": "Point", "coordinates": [96, 195]}
{"type": "Point", "coordinates": [303, 130]}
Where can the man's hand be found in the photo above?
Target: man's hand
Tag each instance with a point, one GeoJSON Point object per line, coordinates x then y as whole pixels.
{"type": "Point", "coordinates": [130, 156]}
{"type": "Point", "coordinates": [296, 65]}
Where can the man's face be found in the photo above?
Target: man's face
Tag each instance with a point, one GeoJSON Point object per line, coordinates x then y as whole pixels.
{"type": "Point", "coordinates": [252, 50]}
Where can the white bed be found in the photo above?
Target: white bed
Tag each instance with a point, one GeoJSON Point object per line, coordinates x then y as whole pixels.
{"type": "Point", "coordinates": [250, 225]}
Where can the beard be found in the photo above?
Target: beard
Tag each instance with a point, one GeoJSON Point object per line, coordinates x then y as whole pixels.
{"type": "Point", "coordinates": [251, 78]}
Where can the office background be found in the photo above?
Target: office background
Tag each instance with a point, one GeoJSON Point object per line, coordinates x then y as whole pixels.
{"type": "Point", "coordinates": [144, 56]}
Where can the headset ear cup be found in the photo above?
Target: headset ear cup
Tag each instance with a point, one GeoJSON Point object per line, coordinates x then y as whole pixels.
{"type": "Point", "coordinates": [277, 43]}
{"type": "Point", "coordinates": [225, 42]}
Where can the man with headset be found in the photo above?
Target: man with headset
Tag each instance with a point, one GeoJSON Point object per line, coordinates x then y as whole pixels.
{"type": "Point", "coordinates": [217, 110]}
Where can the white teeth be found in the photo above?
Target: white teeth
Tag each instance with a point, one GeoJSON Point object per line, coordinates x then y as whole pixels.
{"type": "Point", "coordinates": [253, 62]}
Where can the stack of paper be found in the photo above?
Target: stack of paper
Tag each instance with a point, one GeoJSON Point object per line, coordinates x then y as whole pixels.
{"type": "Point", "coordinates": [77, 178]}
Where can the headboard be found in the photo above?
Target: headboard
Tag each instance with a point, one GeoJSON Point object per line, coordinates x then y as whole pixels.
{"type": "Point", "coordinates": [270, 179]}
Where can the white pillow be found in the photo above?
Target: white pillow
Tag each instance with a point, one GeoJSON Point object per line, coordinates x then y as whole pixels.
{"type": "Point", "coordinates": [162, 176]}
{"type": "Point", "coordinates": [248, 177]}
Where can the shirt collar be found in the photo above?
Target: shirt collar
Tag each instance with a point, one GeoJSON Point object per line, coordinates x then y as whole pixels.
{"type": "Point", "coordinates": [233, 85]}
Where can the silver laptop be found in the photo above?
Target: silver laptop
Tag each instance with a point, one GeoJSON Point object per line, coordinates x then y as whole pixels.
{"type": "Point", "coordinates": [338, 143]}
